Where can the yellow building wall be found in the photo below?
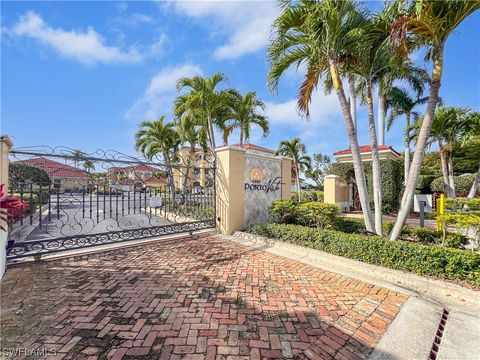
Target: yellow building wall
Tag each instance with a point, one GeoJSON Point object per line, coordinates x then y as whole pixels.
{"type": "Point", "coordinates": [230, 190]}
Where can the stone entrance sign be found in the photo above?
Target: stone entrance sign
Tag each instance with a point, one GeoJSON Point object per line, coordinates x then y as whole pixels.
{"type": "Point", "coordinates": [263, 182]}
{"type": "Point", "coordinates": [248, 179]}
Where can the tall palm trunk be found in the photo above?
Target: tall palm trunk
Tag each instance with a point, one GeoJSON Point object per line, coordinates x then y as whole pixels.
{"type": "Point", "coordinates": [187, 171]}
{"type": "Point", "coordinates": [297, 180]}
{"type": "Point", "coordinates": [352, 99]}
{"type": "Point", "coordinates": [170, 179]}
{"type": "Point", "coordinates": [474, 188]}
{"type": "Point", "coordinates": [352, 137]}
{"type": "Point", "coordinates": [451, 181]}
{"type": "Point", "coordinates": [376, 171]}
{"type": "Point", "coordinates": [444, 168]}
{"type": "Point", "coordinates": [381, 118]}
{"type": "Point", "coordinates": [241, 136]}
{"type": "Point", "coordinates": [406, 166]}
{"type": "Point", "coordinates": [421, 144]}
{"type": "Point", "coordinates": [211, 133]}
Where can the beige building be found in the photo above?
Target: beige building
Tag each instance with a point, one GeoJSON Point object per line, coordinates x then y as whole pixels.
{"type": "Point", "coordinates": [384, 152]}
{"type": "Point", "coordinates": [192, 169]}
{"type": "Point", "coordinates": [127, 176]}
{"type": "Point", "coordinates": [345, 193]}
{"type": "Point", "coordinates": [61, 175]}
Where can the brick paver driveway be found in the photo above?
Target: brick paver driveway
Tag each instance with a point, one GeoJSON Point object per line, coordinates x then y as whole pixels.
{"type": "Point", "coordinates": [190, 298]}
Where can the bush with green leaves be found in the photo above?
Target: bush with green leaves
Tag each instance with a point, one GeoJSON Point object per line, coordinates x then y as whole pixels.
{"type": "Point", "coordinates": [399, 255]}
{"type": "Point", "coordinates": [349, 225]}
{"type": "Point", "coordinates": [392, 180]}
{"type": "Point", "coordinates": [462, 204]}
{"type": "Point", "coordinates": [424, 182]}
{"type": "Point", "coordinates": [463, 221]}
{"type": "Point", "coordinates": [20, 172]}
{"type": "Point", "coordinates": [318, 214]}
{"type": "Point", "coordinates": [463, 184]}
{"type": "Point", "coordinates": [283, 211]}
{"type": "Point", "coordinates": [30, 197]}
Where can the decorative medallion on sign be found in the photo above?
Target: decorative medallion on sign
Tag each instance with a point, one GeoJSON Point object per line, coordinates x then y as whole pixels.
{"type": "Point", "coordinates": [256, 175]}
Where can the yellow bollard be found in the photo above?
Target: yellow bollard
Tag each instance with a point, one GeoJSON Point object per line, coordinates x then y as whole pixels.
{"type": "Point", "coordinates": [440, 210]}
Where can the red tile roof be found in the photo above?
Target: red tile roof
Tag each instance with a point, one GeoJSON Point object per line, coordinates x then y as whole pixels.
{"type": "Point", "coordinates": [56, 169]}
{"type": "Point", "coordinates": [253, 147]}
{"type": "Point", "coordinates": [366, 149]}
{"type": "Point", "coordinates": [152, 181]}
{"type": "Point", "coordinates": [140, 167]}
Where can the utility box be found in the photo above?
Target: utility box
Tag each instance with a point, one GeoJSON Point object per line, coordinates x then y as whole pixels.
{"type": "Point", "coordinates": [427, 203]}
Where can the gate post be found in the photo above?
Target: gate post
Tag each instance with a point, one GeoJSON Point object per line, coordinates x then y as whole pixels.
{"type": "Point", "coordinates": [286, 178]}
{"type": "Point", "coordinates": [5, 146]}
{"type": "Point", "coordinates": [230, 188]}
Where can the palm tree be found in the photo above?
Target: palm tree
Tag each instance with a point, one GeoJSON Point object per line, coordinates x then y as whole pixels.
{"type": "Point", "coordinates": [430, 23]}
{"type": "Point", "coordinates": [371, 56]}
{"type": "Point", "coordinates": [204, 102]}
{"type": "Point", "coordinates": [295, 149]}
{"type": "Point", "coordinates": [472, 129]}
{"type": "Point", "coordinates": [403, 104]}
{"type": "Point", "coordinates": [245, 113]}
{"type": "Point", "coordinates": [78, 156]}
{"type": "Point", "coordinates": [449, 127]}
{"type": "Point", "coordinates": [88, 165]}
{"type": "Point", "coordinates": [159, 137]}
{"type": "Point", "coordinates": [319, 35]}
{"type": "Point", "coordinates": [192, 134]}
{"type": "Point", "coordinates": [403, 69]}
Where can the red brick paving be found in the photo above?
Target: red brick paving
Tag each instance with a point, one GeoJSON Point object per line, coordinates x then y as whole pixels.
{"type": "Point", "coordinates": [198, 298]}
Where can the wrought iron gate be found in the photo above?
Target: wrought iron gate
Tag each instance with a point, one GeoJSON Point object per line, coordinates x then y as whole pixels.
{"type": "Point", "coordinates": [63, 199]}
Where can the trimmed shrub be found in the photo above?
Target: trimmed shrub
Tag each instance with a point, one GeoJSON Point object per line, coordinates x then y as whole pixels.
{"type": "Point", "coordinates": [283, 211]}
{"type": "Point", "coordinates": [417, 258]}
{"type": "Point", "coordinates": [464, 221]}
{"type": "Point", "coordinates": [392, 180]}
{"type": "Point", "coordinates": [463, 183]}
{"type": "Point", "coordinates": [349, 225]}
{"type": "Point", "coordinates": [462, 204]}
{"type": "Point", "coordinates": [318, 214]}
{"type": "Point", "coordinates": [424, 182]}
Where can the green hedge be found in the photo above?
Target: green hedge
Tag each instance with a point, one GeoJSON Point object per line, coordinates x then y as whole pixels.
{"type": "Point", "coordinates": [417, 258]}
{"type": "Point", "coordinates": [392, 180]}
{"type": "Point", "coordinates": [463, 184]}
{"type": "Point", "coordinates": [424, 183]}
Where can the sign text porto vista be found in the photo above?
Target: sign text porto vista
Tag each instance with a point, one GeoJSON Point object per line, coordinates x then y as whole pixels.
{"type": "Point", "coordinates": [270, 186]}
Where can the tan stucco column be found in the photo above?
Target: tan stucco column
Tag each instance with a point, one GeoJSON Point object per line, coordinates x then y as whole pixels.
{"type": "Point", "coordinates": [286, 178]}
{"type": "Point", "coordinates": [230, 189]}
{"type": "Point", "coordinates": [5, 146]}
{"type": "Point", "coordinates": [334, 192]}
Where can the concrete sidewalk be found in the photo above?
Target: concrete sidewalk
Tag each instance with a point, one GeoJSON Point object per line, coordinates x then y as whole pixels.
{"type": "Point", "coordinates": [418, 326]}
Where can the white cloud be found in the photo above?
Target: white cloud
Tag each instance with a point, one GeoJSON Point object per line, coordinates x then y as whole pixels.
{"type": "Point", "coordinates": [132, 20]}
{"type": "Point", "coordinates": [158, 96]}
{"type": "Point", "coordinates": [246, 23]}
{"type": "Point", "coordinates": [323, 108]}
{"type": "Point", "coordinates": [87, 47]}
{"type": "Point", "coordinates": [158, 47]}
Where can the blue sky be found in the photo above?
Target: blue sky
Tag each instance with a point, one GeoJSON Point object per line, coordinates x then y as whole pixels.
{"type": "Point", "coordinates": [84, 74]}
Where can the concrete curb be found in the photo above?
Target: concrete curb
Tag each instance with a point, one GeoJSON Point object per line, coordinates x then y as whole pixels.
{"type": "Point", "coordinates": [446, 294]}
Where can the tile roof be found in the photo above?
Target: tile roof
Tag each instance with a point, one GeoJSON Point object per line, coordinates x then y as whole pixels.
{"type": "Point", "coordinates": [366, 149]}
{"type": "Point", "coordinates": [253, 147]}
{"type": "Point", "coordinates": [140, 167]}
{"type": "Point", "coordinates": [56, 169]}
